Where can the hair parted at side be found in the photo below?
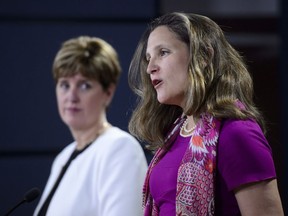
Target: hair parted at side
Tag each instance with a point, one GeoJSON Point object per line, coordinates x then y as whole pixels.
{"type": "Point", "coordinates": [217, 73]}
{"type": "Point", "coordinates": [90, 56]}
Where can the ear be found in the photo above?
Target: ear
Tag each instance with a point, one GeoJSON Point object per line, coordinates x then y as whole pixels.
{"type": "Point", "coordinates": [110, 93]}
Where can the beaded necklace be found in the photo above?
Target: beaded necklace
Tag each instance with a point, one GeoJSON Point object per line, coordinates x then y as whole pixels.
{"type": "Point", "coordinates": [184, 127]}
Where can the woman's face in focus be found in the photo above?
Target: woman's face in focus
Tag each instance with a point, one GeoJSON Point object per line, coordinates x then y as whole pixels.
{"type": "Point", "coordinates": [168, 59]}
{"type": "Point", "coordinates": [81, 101]}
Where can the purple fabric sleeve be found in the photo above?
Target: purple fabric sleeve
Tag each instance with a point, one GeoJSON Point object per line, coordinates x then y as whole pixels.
{"type": "Point", "coordinates": [244, 155]}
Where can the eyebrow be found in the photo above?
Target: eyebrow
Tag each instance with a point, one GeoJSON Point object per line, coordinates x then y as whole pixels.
{"type": "Point", "coordinates": [155, 48]}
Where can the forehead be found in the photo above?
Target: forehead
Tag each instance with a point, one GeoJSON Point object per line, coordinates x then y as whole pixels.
{"type": "Point", "coordinates": [163, 31]}
{"type": "Point", "coordinates": [77, 76]}
{"type": "Point", "coordinates": [164, 38]}
{"type": "Point", "coordinates": [162, 35]}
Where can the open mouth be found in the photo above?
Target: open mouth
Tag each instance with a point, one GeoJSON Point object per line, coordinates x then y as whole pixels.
{"type": "Point", "coordinates": [156, 83]}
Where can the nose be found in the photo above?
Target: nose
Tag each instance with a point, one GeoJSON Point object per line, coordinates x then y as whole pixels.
{"type": "Point", "coordinates": [152, 67]}
{"type": "Point", "coordinates": [73, 95]}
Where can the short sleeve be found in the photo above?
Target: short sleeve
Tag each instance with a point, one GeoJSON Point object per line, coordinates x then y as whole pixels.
{"type": "Point", "coordinates": [244, 155]}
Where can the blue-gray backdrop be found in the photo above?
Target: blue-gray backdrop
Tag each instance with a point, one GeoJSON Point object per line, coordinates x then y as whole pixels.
{"type": "Point", "coordinates": [31, 32]}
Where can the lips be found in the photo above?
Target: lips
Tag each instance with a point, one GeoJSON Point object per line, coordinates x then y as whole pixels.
{"type": "Point", "coordinates": [72, 109]}
{"type": "Point", "coordinates": [156, 82]}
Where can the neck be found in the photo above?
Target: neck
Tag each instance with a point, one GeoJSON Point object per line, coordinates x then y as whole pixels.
{"type": "Point", "coordinates": [85, 138]}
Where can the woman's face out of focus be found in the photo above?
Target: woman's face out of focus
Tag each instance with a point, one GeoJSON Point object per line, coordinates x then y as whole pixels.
{"type": "Point", "coordinates": [81, 101]}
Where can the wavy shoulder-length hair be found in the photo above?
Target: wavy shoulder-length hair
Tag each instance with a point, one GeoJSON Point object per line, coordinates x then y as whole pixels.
{"type": "Point", "coordinates": [217, 73]}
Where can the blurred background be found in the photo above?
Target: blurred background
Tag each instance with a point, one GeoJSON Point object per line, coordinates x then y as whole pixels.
{"type": "Point", "coordinates": [31, 33]}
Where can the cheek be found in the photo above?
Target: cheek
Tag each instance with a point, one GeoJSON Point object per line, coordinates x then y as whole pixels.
{"type": "Point", "coordinates": [182, 81]}
{"type": "Point", "coordinates": [181, 76]}
{"type": "Point", "coordinates": [95, 102]}
{"type": "Point", "coordinates": [59, 98]}
{"type": "Point", "coordinates": [60, 102]}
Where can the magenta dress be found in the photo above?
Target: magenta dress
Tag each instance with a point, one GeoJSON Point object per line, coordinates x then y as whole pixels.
{"type": "Point", "coordinates": [243, 156]}
{"type": "Point", "coordinates": [163, 178]}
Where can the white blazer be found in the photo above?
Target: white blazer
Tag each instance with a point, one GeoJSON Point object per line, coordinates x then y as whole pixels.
{"type": "Point", "coordinates": [106, 179]}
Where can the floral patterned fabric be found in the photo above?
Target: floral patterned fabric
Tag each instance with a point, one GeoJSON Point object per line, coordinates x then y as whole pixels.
{"type": "Point", "coordinates": [196, 174]}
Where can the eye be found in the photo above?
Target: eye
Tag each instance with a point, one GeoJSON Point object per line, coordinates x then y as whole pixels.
{"type": "Point", "coordinates": [85, 86]}
{"type": "Point", "coordinates": [63, 85]}
{"type": "Point", "coordinates": [163, 52]}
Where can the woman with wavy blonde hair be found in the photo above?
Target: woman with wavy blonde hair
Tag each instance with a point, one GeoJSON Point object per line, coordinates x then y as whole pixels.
{"type": "Point", "coordinates": [196, 112]}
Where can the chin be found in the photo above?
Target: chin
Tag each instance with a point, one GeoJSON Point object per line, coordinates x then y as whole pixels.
{"type": "Point", "coordinates": [163, 101]}
{"type": "Point", "coordinates": [72, 124]}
